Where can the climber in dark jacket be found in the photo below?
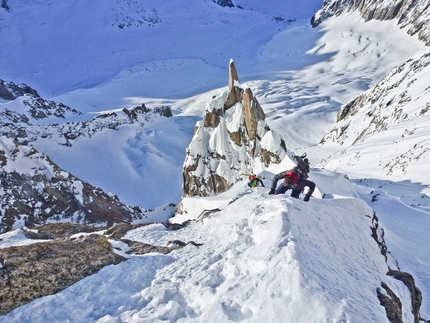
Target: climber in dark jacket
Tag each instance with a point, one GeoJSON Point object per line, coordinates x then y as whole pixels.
{"type": "Point", "coordinates": [295, 179]}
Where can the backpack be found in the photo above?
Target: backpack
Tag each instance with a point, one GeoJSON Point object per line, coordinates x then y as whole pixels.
{"type": "Point", "coordinates": [302, 164]}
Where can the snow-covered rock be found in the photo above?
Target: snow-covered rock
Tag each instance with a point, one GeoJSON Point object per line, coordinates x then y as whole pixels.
{"type": "Point", "coordinates": [410, 14]}
{"type": "Point", "coordinates": [233, 139]}
{"type": "Point", "coordinates": [34, 190]}
{"type": "Point", "coordinates": [396, 114]}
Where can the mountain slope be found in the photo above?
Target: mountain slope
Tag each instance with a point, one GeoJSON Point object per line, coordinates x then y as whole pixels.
{"type": "Point", "coordinates": [394, 113]}
{"type": "Point", "coordinates": [410, 14]}
{"type": "Point", "coordinates": [301, 77]}
{"type": "Point", "coordinates": [289, 253]}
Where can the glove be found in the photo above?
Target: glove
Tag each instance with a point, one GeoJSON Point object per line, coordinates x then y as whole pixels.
{"type": "Point", "coordinates": [306, 198]}
{"type": "Point", "coordinates": [271, 192]}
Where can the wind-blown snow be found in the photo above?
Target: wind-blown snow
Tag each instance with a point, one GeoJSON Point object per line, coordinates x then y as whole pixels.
{"type": "Point", "coordinates": [263, 258]}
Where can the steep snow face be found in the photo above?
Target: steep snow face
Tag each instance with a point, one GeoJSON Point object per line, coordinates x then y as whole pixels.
{"type": "Point", "coordinates": [392, 117]}
{"type": "Point", "coordinates": [411, 14]}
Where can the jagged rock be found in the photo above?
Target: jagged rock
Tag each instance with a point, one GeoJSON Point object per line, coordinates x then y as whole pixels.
{"type": "Point", "coordinates": [252, 112]}
{"type": "Point", "coordinates": [388, 299]}
{"type": "Point", "coordinates": [141, 248]}
{"type": "Point", "coordinates": [416, 295]}
{"type": "Point", "coordinates": [234, 90]}
{"type": "Point", "coordinates": [42, 109]}
{"type": "Point", "coordinates": [45, 268]}
{"type": "Point", "coordinates": [61, 230]}
{"type": "Point", "coordinates": [19, 126]}
{"type": "Point", "coordinates": [391, 303]}
{"type": "Point", "coordinates": [119, 230]}
{"type": "Point", "coordinates": [224, 3]}
{"type": "Point", "coordinates": [410, 14]}
{"type": "Point", "coordinates": [398, 99]}
{"type": "Point", "coordinates": [4, 5]}
{"type": "Point", "coordinates": [35, 108]}
{"type": "Point", "coordinates": [10, 90]}
{"type": "Point", "coordinates": [233, 138]}
{"type": "Point", "coordinates": [41, 192]}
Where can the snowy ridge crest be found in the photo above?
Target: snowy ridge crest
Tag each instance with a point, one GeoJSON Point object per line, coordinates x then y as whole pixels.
{"type": "Point", "coordinates": [23, 106]}
{"type": "Point", "coordinates": [65, 134]}
{"type": "Point", "coordinates": [233, 139]}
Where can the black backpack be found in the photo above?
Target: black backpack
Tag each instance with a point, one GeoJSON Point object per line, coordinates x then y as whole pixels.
{"type": "Point", "coordinates": [302, 164]}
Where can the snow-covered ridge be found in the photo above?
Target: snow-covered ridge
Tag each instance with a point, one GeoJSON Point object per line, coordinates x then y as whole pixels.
{"type": "Point", "coordinates": [10, 90]}
{"type": "Point", "coordinates": [396, 114]}
{"type": "Point", "coordinates": [34, 190]}
{"type": "Point", "coordinates": [66, 133]}
{"type": "Point", "coordinates": [411, 14]}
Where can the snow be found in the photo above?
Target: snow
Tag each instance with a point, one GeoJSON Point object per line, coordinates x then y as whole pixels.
{"type": "Point", "coordinates": [255, 248]}
{"type": "Point", "coordinates": [263, 258]}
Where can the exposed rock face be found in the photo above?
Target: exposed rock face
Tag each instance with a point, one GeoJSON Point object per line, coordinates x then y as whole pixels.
{"type": "Point", "coordinates": [391, 303]}
{"type": "Point", "coordinates": [41, 191]}
{"type": "Point", "coordinates": [410, 14]}
{"type": "Point", "coordinates": [35, 190]}
{"type": "Point", "coordinates": [387, 298]}
{"type": "Point", "coordinates": [233, 138]}
{"type": "Point", "coordinates": [416, 295]}
{"type": "Point", "coordinates": [10, 90]}
{"type": "Point", "coordinates": [20, 126]}
{"type": "Point", "coordinates": [31, 106]}
{"type": "Point", "coordinates": [45, 268]}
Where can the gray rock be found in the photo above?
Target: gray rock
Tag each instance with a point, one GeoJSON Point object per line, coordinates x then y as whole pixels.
{"type": "Point", "coordinates": [45, 268]}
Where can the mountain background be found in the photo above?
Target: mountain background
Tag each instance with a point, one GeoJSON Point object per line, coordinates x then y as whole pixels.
{"type": "Point", "coordinates": [344, 81]}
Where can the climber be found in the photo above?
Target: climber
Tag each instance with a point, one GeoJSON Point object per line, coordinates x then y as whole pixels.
{"type": "Point", "coordinates": [295, 179]}
{"type": "Point", "coordinates": [254, 181]}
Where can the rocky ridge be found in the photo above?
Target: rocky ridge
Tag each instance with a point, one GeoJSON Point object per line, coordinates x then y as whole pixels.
{"type": "Point", "coordinates": [411, 14]}
{"type": "Point", "coordinates": [232, 139]}
{"type": "Point", "coordinates": [34, 190]}
{"type": "Point", "coordinates": [67, 254]}
{"type": "Point", "coordinates": [397, 107]}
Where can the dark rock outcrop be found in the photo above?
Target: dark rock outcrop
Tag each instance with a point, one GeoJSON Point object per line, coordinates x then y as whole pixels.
{"type": "Point", "coordinates": [391, 303]}
{"type": "Point", "coordinates": [416, 295]}
{"type": "Point", "coordinates": [224, 3]}
{"type": "Point", "coordinates": [388, 299]}
{"type": "Point", "coordinates": [45, 268]}
{"type": "Point", "coordinates": [34, 107]}
{"type": "Point", "coordinates": [10, 90]}
{"type": "Point", "coordinates": [4, 5]}
{"type": "Point", "coordinates": [20, 126]}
